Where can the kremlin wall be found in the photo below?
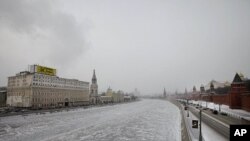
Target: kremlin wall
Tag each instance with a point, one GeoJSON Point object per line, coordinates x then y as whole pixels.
{"type": "Point", "coordinates": [236, 95]}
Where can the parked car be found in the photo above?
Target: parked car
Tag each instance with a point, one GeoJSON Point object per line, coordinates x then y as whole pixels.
{"type": "Point", "coordinates": [215, 112]}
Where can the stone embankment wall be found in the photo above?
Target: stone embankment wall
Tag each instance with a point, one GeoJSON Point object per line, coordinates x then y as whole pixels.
{"type": "Point", "coordinates": [184, 132]}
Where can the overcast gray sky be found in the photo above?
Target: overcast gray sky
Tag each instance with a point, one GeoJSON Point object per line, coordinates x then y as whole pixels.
{"type": "Point", "coordinates": [144, 44]}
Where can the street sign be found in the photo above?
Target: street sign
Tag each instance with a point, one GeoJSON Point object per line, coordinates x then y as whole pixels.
{"type": "Point", "coordinates": [194, 123]}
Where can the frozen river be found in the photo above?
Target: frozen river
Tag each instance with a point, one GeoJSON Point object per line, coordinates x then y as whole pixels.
{"type": "Point", "coordinates": [149, 120]}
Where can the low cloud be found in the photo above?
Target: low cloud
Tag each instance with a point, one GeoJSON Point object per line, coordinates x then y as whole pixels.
{"type": "Point", "coordinates": [52, 36]}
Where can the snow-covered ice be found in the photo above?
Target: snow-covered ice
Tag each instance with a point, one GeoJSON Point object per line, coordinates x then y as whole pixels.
{"type": "Point", "coordinates": [156, 120]}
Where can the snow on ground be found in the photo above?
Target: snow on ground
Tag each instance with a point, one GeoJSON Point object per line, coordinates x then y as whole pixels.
{"type": "Point", "coordinates": [208, 133]}
{"type": "Point", "coordinates": [147, 120]}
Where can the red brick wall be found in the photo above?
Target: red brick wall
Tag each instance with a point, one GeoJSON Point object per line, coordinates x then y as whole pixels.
{"type": "Point", "coordinates": [221, 99]}
{"type": "Point", "coordinates": [195, 96]}
{"type": "Point", "coordinates": [235, 95]}
{"type": "Point", "coordinates": [207, 98]}
{"type": "Point", "coordinates": [245, 101]}
{"type": "Point", "coordinates": [237, 98]}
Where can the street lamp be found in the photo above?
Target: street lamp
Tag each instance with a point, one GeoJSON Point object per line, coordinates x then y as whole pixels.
{"type": "Point", "coordinates": [206, 103]}
{"type": "Point", "coordinates": [187, 109]}
{"type": "Point", "coordinates": [201, 90]}
{"type": "Point", "coordinates": [219, 107]}
{"type": "Point", "coordinates": [200, 136]}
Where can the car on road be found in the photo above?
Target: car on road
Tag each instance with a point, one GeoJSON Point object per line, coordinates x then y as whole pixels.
{"type": "Point", "coordinates": [215, 112]}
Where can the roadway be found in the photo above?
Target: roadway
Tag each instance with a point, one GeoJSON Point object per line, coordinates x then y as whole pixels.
{"type": "Point", "coordinates": [213, 122]}
{"type": "Point", "coordinates": [219, 122]}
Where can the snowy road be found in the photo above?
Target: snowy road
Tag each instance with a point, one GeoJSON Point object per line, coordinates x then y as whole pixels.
{"type": "Point", "coordinates": [149, 120]}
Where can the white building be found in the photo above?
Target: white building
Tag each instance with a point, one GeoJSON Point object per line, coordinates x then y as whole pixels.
{"type": "Point", "coordinates": [40, 88]}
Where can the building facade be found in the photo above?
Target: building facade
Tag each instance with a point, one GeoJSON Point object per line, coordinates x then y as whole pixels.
{"type": "Point", "coordinates": [105, 99]}
{"type": "Point", "coordinates": [116, 96]}
{"type": "Point", "coordinates": [41, 88]}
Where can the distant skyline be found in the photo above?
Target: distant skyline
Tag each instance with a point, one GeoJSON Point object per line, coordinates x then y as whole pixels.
{"type": "Point", "coordinates": [141, 44]}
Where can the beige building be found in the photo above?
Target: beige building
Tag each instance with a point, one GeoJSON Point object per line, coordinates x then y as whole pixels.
{"type": "Point", "coordinates": [41, 88]}
{"type": "Point", "coordinates": [105, 99]}
{"type": "Point", "coordinates": [116, 96]}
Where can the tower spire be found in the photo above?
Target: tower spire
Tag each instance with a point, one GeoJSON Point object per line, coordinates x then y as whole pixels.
{"type": "Point", "coordinates": [164, 93]}
{"type": "Point", "coordinates": [94, 80]}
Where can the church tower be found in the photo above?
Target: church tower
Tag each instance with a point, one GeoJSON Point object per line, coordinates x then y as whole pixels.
{"type": "Point", "coordinates": [94, 86]}
{"type": "Point", "coordinates": [164, 93]}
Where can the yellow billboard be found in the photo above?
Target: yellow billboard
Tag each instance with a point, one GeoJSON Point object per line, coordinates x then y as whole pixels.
{"type": "Point", "coordinates": [45, 70]}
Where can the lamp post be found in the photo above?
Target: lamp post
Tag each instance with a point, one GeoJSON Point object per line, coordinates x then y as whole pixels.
{"type": "Point", "coordinates": [200, 136]}
{"type": "Point", "coordinates": [187, 109]}
{"type": "Point", "coordinates": [201, 90]}
{"type": "Point", "coordinates": [219, 107]}
{"type": "Point", "coordinates": [206, 103]}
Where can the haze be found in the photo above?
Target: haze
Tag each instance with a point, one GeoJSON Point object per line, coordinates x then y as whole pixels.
{"type": "Point", "coordinates": [144, 44]}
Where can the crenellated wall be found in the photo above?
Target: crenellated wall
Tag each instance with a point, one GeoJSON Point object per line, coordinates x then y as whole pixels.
{"type": "Point", "coordinates": [237, 96]}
